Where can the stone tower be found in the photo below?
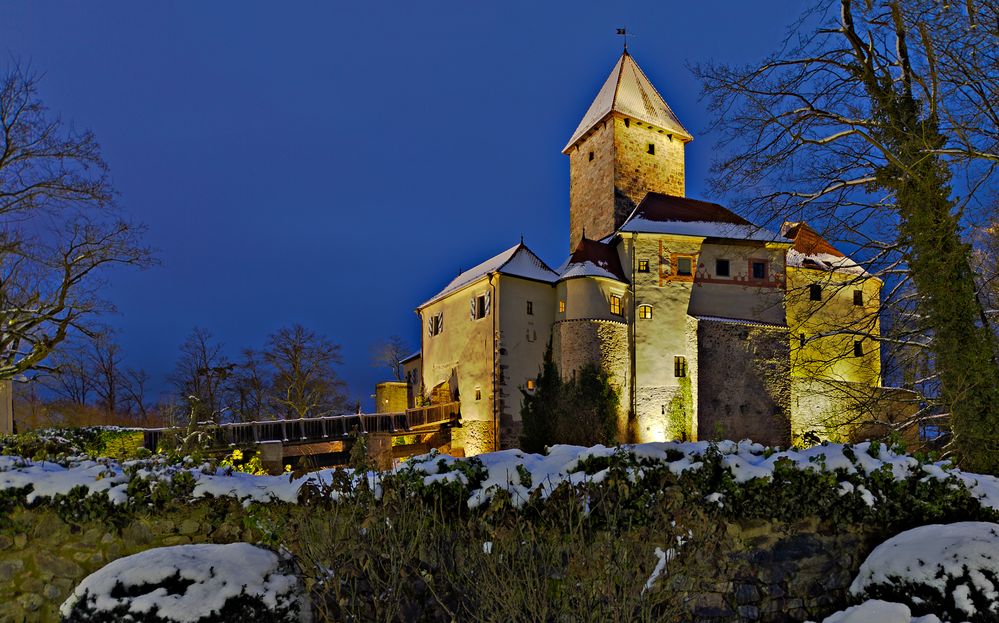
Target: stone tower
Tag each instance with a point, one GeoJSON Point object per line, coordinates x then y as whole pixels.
{"type": "Point", "coordinates": [629, 143]}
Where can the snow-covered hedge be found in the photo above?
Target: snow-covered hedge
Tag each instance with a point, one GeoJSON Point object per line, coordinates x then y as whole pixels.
{"type": "Point", "coordinates": [865, 482]}
{"type": "Point", "coordinates": [949, 570]}
{"type": "Point", "coordinates": [190, 584]}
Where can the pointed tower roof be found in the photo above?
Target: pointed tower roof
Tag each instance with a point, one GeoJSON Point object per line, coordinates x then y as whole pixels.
{"type": "Point", "coordinates": [629, 92]}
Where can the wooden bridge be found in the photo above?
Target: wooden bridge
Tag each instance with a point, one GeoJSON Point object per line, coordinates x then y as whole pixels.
{"type": "Point", "coordinates": [280, 439]}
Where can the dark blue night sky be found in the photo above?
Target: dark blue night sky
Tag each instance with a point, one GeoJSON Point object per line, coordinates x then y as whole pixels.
{"type": "Point", "coordinates": [335, 164]}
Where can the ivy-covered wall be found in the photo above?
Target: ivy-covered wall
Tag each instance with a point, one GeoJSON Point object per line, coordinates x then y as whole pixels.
{"type": "Point", "coordinates": [42, 556]}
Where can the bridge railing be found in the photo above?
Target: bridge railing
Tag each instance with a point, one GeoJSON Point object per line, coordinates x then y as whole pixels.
{"type": "Point", "coordinates": [321, 428]}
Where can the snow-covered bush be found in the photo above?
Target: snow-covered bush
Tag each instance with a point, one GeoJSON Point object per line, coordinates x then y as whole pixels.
{"type": "Point", "coordinates": [876, 610]}
{"type": "Point", "coordinates": [190, 584]}
{"type": "Point", "coordinates": [949, 570]}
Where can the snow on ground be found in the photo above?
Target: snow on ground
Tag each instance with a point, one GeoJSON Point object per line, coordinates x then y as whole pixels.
{"type": "Point", "coordinates": [956, 560]}
{"type": "Point", "coordinates": [879, 611]}
{"type": "Point", "coordinates": [519, 473]}
{"type": "Point", "coordinates": [215, 574]}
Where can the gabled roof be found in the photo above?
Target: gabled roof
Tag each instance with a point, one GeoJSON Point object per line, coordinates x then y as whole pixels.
{"type": "Point", "coordinates": [630, 93]}
{"type": "Point", "coordinates": [669, 214]}
{"type": "Point", "coordinates": [517, 261]}
{"type": "Point", "coordinates": [811, 250]}
{"type": "Point", "coordinates": [593, 258]}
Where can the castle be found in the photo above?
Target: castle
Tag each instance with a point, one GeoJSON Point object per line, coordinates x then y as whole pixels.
{"type": "Point", "coordinates": [707, 324]}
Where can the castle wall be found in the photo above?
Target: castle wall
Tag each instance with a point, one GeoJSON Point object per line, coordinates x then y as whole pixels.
{"type": "Point", "coordinates": [463, 356]}
{"type": "Point", "coordinates": [828, 352]}
{"type": "Point", "coordinates": [664, 406]}
{"type": "Point", "coordinates": [738, 295]}
{"type": "Point", "coordinates": [523, 339]}
{"type": "Point", "coordinates": [744, 384]}
{"type": "Point", "coordinates": [591, 185]}
{"type": "Point", "coordinates": [639, 172]}
{"type": "Point", "coordinates": [576, 343]}
{"type": "Point", "coordinates": [604, 191]}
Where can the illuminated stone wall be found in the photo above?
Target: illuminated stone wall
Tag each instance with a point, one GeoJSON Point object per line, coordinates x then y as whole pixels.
{"type": "Point", "coordinates": [603, 191]}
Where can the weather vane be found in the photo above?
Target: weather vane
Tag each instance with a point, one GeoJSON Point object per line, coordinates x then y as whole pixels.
{"type": "Point", "coordinates": [623, 32]}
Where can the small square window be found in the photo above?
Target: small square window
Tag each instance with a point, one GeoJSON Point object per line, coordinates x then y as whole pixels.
{"type": "Point", "coordinates": [858, 348]}
{"type": "Point", "coordinates": [652, 148]}
{"type": "Point", "coordinates": [478, 394]}
{"type": "Point", "coordinates": [615, 304]}
{"type": "Point", "coordinates": [530, 384]}
{"type": "Point", "coordinates": [684, 266]}
{"type": "Point", "coordinates": [591, 156]}
{"type": "Point", "coordinates": [815, 292]}
{"type": "Point", "coordinates": [679, 366]}
{"type": "Point", "coordinates": [645, 311]}
{"type": "Point", "coordinates": [722, 268]}
{"type": "Point", "coordinates": [858, 297]}
{"type": "Point", "coordinates": [643, 266]}
{"type": "Point", "coordinates": [561, 307]}
{"type": "Point", "coordinates": [759, 270]}
{"type": "Point", "coordinates": [530, 308]}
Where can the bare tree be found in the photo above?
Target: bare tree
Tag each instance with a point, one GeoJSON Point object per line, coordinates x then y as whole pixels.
{"type": "Point", "coordinates": [859, 123]}
{"type": "Point", "coordinates": [390, 354]}
{"type": "Point", "coordinates": [200, 376]}
{"type": "Point", "coordinates": [251, 381]}
{"type": "Point", "coordinates": [304, 381]}
{"type": "Point", "coordinates": [59, 231]}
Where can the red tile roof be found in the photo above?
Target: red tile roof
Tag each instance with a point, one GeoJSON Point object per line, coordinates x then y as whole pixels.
{"type": "Point", "coordinates": [603, 256]}
{"type": "Point", "coordinates": [660, 207]}
{"type": "Point", "coordinates": [808, 241]}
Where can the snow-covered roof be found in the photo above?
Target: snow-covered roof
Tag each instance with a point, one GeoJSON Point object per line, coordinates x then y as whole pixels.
{"type": "Point", "coordinates": [517, 261]}
{"type": "Point", "coordinates": [669, 214]}
{"type": "Point", "coordinates": [593, 258]}
{"type": "Point", "coordinates": [811, 250]}
{"type": "Point", "coordinates": [630, 93]}
{"type": "Point", "coordinates": [411, 357]}
{"type": "Point", "coordinates": [742, 321]}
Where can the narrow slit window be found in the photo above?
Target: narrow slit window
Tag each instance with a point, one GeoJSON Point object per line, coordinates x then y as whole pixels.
{"type": "Point", "coordinates": [561, 307]}
{"type": "Point", "coordinates": [478, 394]}
{"type": "Point", "coordinates": [591, 156]}
{"type": "Point", "coordinates": [722, 268]}
{"type": "Point", "coordinates": [615, 305]}
{"type": "Point", "coordinates": [858, 348]}
{"type": "Point", "coordinates": [645, 311]}
{"type": "Point", "coordinates": [858, 297]}
{"type": "Point", "coordinates": [627, 123]}
{"type": "Point", "coordinates": [530, 385]}
{"type": "Point", "coordinates": [679, 366]}
{"type": "Point", "coordinates": [815, 292]}
{"type": "Point", "coordinates": [652, 149]}
{"type": "Point", "coordinates": [530, 308]}
{"type": "Point", "coordinates": [643, 266]}
{"type": "Point", "coordinates": [480, 306]}
{"type": "Point", "coordinates": [801, 340]}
